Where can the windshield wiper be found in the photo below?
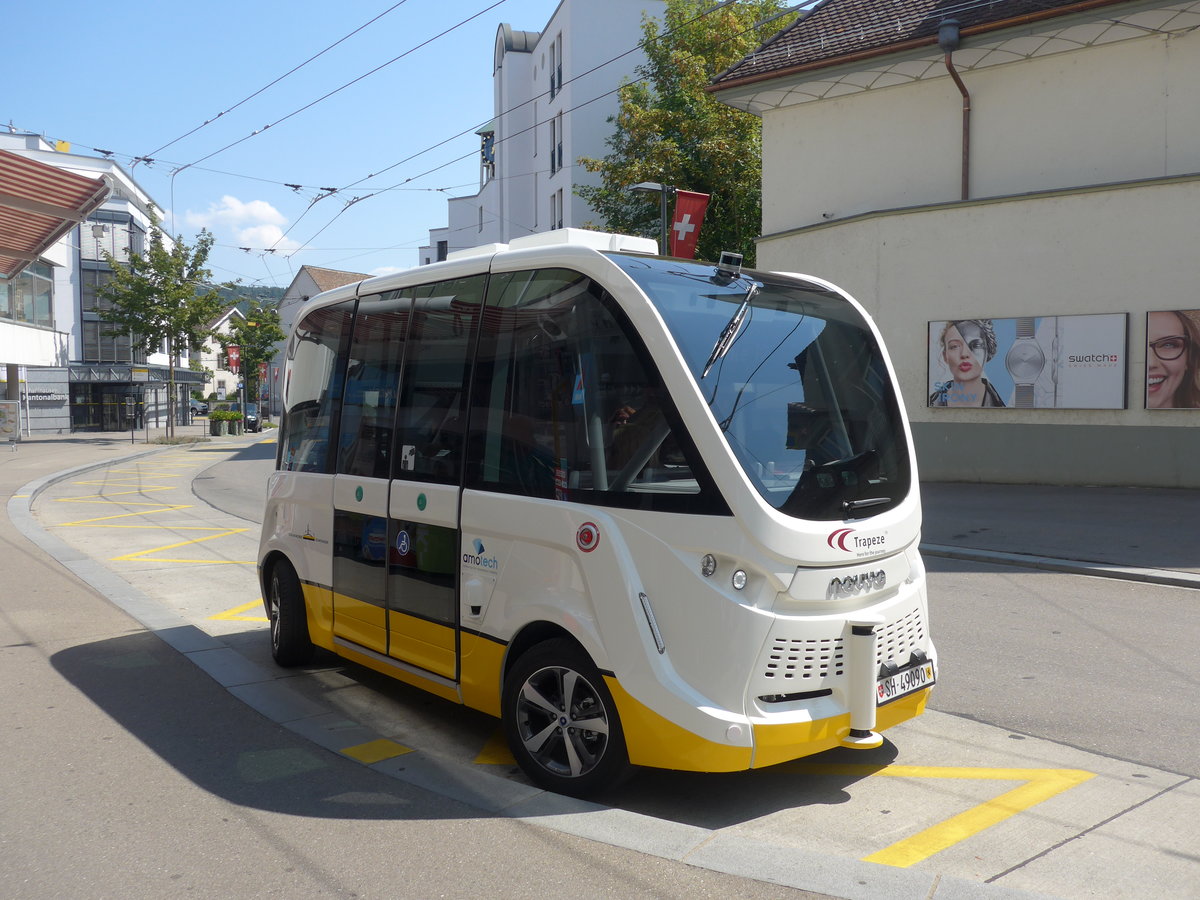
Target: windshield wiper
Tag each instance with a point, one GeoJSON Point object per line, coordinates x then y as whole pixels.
{"type": "Point", "coordinates": [851, 505]}
{"type": "Point", "coordinates": [732, 327]}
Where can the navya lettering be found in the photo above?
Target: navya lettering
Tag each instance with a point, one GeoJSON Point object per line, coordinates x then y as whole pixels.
{"type": "Point", "coordinates": [853, 585]}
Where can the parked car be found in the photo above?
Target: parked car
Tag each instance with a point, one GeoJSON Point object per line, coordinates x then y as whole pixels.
{"type": "Point", "coordinates": [250, 419]}
{"type": "Point", "coordinates": [198, 407]}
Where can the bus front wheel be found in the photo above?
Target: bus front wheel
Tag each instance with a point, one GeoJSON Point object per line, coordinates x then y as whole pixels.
{"type": "Point", "coordinates": [561, 722]}
{"type": "Point", "coordinates": [290, 644]}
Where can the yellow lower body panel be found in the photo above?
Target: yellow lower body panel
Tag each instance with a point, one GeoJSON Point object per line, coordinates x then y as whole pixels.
{"type": "Point", "coordinates": [482, 665]}
{"type": "Point", "coordinates": [655, 741]}
{"type": "Point", "coordinates": [318, 606]}
{"type": "Point", "coordinates": [781, 743]}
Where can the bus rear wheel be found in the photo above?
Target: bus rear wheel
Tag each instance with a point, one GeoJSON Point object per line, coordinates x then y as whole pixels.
{"type": "Point", "coordinates": [290, 643]}
{"type": "Point", "coordinates": [561, 722]}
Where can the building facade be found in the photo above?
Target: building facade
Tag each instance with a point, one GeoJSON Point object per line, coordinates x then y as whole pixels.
{"type": "Point", "coordinates": [70, 373]}
{"type": "Point", "coordinates": [553, 93]}
{"type": "Point", "coordinates": [1030, 178]}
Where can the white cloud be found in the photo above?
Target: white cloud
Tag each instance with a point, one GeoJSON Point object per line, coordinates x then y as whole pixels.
{"type": "Point", "coordinates": [387, 270]}
{"type": "Point", "coordinates": [256, 224]}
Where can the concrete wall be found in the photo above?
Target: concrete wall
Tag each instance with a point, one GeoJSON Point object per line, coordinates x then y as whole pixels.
{"type": "Point", "coordinates": [1119, 249]}
{"type": "Point", "coordinates": [1105, 113]}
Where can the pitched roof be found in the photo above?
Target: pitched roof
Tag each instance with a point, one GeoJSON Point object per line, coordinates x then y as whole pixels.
{"type": "Point", "coordinates": [328, 279]}
{"type": "Point", "coordinates": [840, 31]}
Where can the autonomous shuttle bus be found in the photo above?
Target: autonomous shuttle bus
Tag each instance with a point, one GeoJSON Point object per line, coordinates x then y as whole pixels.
{"type": "Point", "coordinates": [647, 511]}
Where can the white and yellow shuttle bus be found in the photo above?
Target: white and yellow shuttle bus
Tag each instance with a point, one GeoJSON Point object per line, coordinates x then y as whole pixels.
{"type": "Point", "coordinates": [646, 511]}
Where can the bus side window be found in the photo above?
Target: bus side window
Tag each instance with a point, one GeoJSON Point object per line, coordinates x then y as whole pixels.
{"type": "Point", "coordinates": [565, 408]}
{"type": "Point", "coordinates": [318, 350]}
{"type": "Point", "coordinates": [368, 411]}
{"type": "Point", "coordinates": [429, 430]}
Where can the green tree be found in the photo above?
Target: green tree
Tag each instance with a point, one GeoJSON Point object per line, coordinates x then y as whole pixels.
{"type": "Point", "coordinates": [163, 298]}
{"type": "Point", "coordinates": [669, 130]}
{"type": "Point", "coordinates": [256, 337]}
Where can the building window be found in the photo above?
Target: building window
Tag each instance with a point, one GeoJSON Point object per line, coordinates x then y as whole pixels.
{"type": "Point", "coordinates": [443, 248]}
{"type": "Point", "coordinates": [556, 209]}
{"type": "Point", "coordinates": [555, 68]}
{"type": "Point", "coordinates": [553, 141]}
{"type": "Point", "coordinates": [90, 283]}
{"type": "Point", "coordinates": [101, 347]}
{"type": "Point", "coordinates": [29, 297]}
{"type": "Point", "coordinates": [109, 233]}
{"type": "Point", "coordinates": [556, 147]}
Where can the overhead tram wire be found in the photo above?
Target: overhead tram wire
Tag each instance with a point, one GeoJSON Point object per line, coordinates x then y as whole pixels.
{"type": "Point", "coordinates": [354, 81]}
{"type": "Point", "coordinates": [881, 26]}
{"type": "Point", "coordinates": [291, 71]}
{"type": "Point", "coordinates": [399, 185]}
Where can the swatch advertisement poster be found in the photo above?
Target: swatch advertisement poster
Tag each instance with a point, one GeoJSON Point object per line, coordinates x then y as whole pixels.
{"type": "Point", "coordinates": [1029, 362]}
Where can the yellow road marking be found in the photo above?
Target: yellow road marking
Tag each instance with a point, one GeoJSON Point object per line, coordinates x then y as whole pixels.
{"type": "Point", "coordinates": [143, 553]}
{"type": "Point", "coordinates": [235, 614]}
{"type": "Point", "coordinates": [376, 751]}
{"type": "Point", "coordinates": [1039, 785]}
{"type": "Point", "coordinates": [495, 752]}
{"type": "Point", "coordinates": [88, 523]}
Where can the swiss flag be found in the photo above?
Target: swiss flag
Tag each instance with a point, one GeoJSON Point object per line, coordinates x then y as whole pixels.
{"type": "Point", "coordinates": [685, 227]}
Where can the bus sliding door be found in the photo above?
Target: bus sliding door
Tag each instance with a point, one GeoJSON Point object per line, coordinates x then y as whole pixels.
{"type": "Point", "coordinates": [360, 485]}
{"type": "Point", "coordinates": [428, 450]}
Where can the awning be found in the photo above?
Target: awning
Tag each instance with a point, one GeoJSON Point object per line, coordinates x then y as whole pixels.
{"type": "Point", "coordinates": [38, 205]}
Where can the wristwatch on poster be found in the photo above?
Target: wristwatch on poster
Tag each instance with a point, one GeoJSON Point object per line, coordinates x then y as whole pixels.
{"type": "Point", "coordinates": [1024, 361]}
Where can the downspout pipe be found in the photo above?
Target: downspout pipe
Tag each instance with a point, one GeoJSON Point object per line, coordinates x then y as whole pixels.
{"type": "Point", "coordinates": [948, 40]}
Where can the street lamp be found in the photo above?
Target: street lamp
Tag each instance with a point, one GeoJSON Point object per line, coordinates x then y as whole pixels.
{"type": "Point", "coordinates": [663, 191]}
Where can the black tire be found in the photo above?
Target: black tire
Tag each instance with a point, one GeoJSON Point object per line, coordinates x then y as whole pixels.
{"type": "Point", "coordinates": [290, 644]}
{"type": "Point", "coordinates": [561, 722]}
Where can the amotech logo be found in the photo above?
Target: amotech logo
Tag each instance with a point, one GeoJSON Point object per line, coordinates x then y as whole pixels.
{"type": "Point", "coordinates": [478, 560]}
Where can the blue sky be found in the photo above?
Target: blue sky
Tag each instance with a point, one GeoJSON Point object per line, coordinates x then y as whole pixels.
{"type": "Point", "coordinates": [132, 78]}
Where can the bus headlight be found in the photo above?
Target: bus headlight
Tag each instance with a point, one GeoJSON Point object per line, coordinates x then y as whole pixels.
{"type": "Point", "coordinates": [739, 580]}
{"type": "Point", "coordinates": [708, 565]}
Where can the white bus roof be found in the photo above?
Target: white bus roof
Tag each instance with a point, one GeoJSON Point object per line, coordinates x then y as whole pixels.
{"type": "Point", "coordinates": [596, 240]}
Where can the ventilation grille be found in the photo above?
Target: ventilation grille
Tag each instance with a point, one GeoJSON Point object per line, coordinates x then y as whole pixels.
{"type": "Point", "coordinates": [898, 639]}
{"type": "Point", "coordinates": [805, 662]}
{"type": "Point", "coordinates": [801, 659]}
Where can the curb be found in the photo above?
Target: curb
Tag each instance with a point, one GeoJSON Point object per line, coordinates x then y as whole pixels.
{"type": "Point", "coordinates": [1071, 567]}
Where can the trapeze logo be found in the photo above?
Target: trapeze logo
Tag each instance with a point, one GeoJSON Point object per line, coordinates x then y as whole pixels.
{"type": "Point", "coordinates": [478, 559]}
{"type": "Point", "coordinates": [847, 539]}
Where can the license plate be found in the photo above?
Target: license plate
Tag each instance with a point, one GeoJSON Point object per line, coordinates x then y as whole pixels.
{"type": "Point", "coordinates": [904, 682]}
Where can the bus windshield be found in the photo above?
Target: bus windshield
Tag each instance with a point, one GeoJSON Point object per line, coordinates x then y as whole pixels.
{"type": "Point", "coordinates": [796, 381]}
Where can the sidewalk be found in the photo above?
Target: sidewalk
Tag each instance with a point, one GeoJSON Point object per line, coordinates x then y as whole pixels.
{"type": "Point", "coordinates": [1141, 534]}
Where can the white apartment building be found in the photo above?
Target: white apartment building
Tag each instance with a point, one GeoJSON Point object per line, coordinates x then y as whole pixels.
{"type": "Point", "coordinates": [56, 360]}
{"type": "Point", "coordinates": [554, 91]}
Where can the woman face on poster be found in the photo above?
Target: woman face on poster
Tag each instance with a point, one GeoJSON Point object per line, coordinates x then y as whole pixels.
{"type": "Point", "coordinates": [1172, 361]}
{"type": "Point", "coordinates": [967, 345]}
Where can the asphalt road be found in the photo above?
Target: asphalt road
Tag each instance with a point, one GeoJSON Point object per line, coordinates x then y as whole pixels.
{"type": "Point", "coordinates": [129, 772]}
{"type": "Point", "coordinates": [159, 537]}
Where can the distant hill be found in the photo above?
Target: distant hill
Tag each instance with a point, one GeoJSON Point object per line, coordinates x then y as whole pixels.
{"type": "Point", "coordinates": [245, 294]}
